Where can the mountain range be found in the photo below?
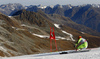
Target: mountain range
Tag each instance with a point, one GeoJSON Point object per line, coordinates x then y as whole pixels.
{"type": "Point", "coordinates": [10, 8]}
{"type": "Point", "coordinates": [87, 15]}
{"type": "Point", "coordinates": [27, 30]}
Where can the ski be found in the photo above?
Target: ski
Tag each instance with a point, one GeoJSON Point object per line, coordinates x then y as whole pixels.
{"type": "Point", "coordinates": [74, 51]}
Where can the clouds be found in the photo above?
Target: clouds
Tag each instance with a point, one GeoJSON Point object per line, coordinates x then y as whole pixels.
{"type": "Point", "coordinates": [50, 2]}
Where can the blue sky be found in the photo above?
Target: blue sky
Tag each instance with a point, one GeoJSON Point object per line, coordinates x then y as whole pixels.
{"type": "Point", "coordinates": [50, 2]}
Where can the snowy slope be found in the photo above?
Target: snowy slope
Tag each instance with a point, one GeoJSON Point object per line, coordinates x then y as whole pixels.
{"type": "Point", "coordinates": [93, 54]}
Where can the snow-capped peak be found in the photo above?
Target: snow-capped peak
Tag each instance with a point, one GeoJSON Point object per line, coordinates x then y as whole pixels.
{"type": "Point", "coordinates": [41, 6]}
{"type": "Point", "coordinates": [96, 5]}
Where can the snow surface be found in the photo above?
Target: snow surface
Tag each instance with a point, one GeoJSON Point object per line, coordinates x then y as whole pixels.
{"type": "Point", "coordinates": [92, 54]}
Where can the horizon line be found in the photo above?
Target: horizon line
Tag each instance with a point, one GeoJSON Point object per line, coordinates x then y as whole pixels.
{"type": "Point", "coordinates": [50, 5]}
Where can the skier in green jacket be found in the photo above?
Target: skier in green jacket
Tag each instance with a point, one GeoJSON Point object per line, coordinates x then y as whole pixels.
{"type": "Point", "coordinates": [81, 44]}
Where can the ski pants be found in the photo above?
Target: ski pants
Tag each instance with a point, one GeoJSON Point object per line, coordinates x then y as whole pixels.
{"type": "Point", "coordinates": [83, 46]}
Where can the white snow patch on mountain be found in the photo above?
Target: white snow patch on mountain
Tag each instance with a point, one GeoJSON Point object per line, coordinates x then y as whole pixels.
{"type": "Point", "coordinates": [41, 6]}
{"type": "Point", "coordinates": [17, 28]}
{"type": "Point", "coordinates": [57, 25]}
{"type": "Point", "coordinates": [83, 32]}
{"type": "Point", "coordinates": [42, 36]}
{"type": "Point", "coordinates": [71, 36]}
{"type": "Point", "coordinates": [45, 36]}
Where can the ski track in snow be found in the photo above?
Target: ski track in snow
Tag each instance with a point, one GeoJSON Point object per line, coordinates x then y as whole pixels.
{"type": "Point", "coordinates": [93, 54]}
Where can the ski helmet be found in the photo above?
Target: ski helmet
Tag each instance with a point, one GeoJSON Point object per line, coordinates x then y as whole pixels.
{"type": "Point", "coordinates": [80, 36]}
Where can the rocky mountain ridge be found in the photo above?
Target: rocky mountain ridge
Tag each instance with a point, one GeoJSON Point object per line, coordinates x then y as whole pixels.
{"type": "Point", "coordinates": [17, 36]}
